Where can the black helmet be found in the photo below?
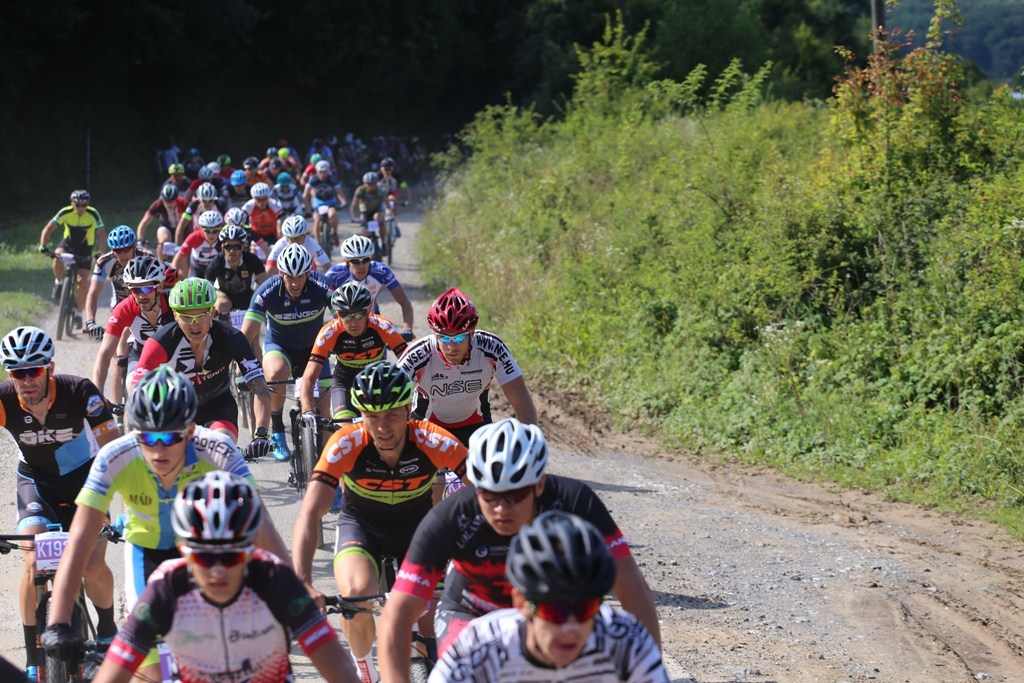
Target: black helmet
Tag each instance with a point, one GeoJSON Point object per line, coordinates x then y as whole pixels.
{"type": "Point", "coordinates": [382, 386]}
{"type": "Point", "coordinates": [251, 163]}
{"type": "Point", "coordinates": [351, 296]}
{"type": "Point", "coordinates": [163, 401]}
{"type": "Point", "coordinates": [80, 197]}
{"type": "Point", "coordinates": [220, 510]}
{"type": "Point", "coordinates": [559, 557]}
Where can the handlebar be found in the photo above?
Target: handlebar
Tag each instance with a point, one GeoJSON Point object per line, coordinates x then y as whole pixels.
{"type": "Point", "coordinates": [347, 607]}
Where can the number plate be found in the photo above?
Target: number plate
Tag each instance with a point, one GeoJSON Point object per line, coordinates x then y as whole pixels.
{"type": "Point", "coordinates": [236, 319]}
{"type": "Point", "coordinates": [49, 548]}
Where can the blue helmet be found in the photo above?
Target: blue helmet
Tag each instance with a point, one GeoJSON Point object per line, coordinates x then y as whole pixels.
{"type": "Point", "coordinates": [283, 178]}
{"type": "Point", "coordinates": [120, 237]}
{"type": "Point", "coordinates": [238, 178]}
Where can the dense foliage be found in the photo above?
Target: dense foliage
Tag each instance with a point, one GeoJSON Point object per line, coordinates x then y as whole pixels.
{"type": "Point", "coordinates": [830, 289]}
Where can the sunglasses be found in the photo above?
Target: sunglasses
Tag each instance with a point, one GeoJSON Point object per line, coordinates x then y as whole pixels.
{"type": "Point", "coordinates": [80, 206]}
{"type": "Point", "coordinates": [232, 247]}
{"type": "Point", "coordinates": [124, 250]}
{"type": "Point", "coordinates": [358, 261]}
{"type": "Point", "coordinates": [453, 339]}
{"type": "Point", "coordinates": [506, 498]}
{"type": "Point", "coordinates": [146, 289]}
{"type": "Point", "coordinates": [27, 373]}
{"type": "Point", "coordinates": [192, 319]}
{"type": "Point", "coordinates": [161, 438]}
{"type": "Point", "coordinates": [559, 612]}
{"type": "Point", "coordinates": [211, 231]}
{"type": "Point", "coordinates": [354, 315]}
{"type": "Point", "coordinates": [208, 558]}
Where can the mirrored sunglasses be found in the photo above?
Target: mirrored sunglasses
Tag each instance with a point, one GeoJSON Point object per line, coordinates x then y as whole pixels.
{"type": "Point", "coordinates": [453, 338]}
{"type": "Point", "coordinates": [161, 438]}
{"type": "Point", "coordinates": [27, 373]}
{"type": "Point", "coordinates": [559, 612]}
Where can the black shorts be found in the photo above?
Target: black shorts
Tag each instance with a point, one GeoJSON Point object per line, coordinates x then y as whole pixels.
{"type": "Point", "coordinates": [49, 501]}
{"type": "Point", "coordinates": [222, 409]}
{"type": "Point", "coordinates": [356, 533]}
{"type": "Point", "coordinates": [82, 252]}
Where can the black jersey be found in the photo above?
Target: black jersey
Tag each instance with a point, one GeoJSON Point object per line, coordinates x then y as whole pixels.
{"type": "Point", "coordinates": [63, 443]}
{"type": "Point", "coordinates": [236, 283]}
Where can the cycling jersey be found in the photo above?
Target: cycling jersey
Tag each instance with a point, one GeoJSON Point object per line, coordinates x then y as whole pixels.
{"type": "Point", "coordinates": [121, 468]}
{"type": "Point", "coordinates": [392, 184]}
{"type": "Point", "coordinates": [379, 277]}
{"type": "Point", "coordinates": [369, 201]}
{"type": "Point", "coordinates": [79, 231]}
{"type": "Point", "coordinates": [168, 217]}
{"type": "Point", "coordinates": [107, 266]}
{"type": "Point", "coordinates": [374, 489]}
{"type": "Point", "coordinates": [128, 315]}
{"type": "Point", "coordinates": [224, 345]}
{"type": "Point", "coordinates": [355, 353]}
{"type": "Point", "coordinates": [492, 649]}
{"type": "Point", "coordinates": [457, 396]}
{"type": "Point", "coordinates": [236, 283]}
{"type": "Point", "coordinates": [456, 530]}
{"type": "Point", "coordinates": [246, 640]}
{"type": "Point", "coordinates": [238, 196]}
{"type": "Point", "coordinates": [263, 220]}
{"type": "Point", "coordinates": [199, 252]}
{"type": "Point", "coordinates": [324, 189]}
{"type": "Point", "coordinates": [61, 443]}
{"type": "Point", "coordinates": [289, 197]}
{"type": "Point", "coordinates": [290, 324]}
{"type": "Point", "coordinates": [321, 261]}
{"type": "Point", "coordinates": [196, 209]}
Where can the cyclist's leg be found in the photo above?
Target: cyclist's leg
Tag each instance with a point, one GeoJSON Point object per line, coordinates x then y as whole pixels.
{"type": "Point", "coordinates": [120, 368]}
{"type": "Point", "coordinates": [277, 367]}
{"type": "Point", "coordinates": [220, 415]}
{"type": "Point", "coordinates": [34, 513]}
{"type": "Point", "coordinates": [356, 573]}
{"type": "Point", "coordinates": [139, 563]}
{"type": "Point", "coordinates": [223, 307]}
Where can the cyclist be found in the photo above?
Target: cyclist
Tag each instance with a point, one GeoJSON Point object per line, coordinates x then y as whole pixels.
{"type": "Point", "coordinates": [295, 230]}
{"type": "Point", "coordinates": [369, 199]}
{"type": "Point", "coordinates": [110, 266]}
{"type": "Point", "coordinates": [164, 451]}
{"type": "Point", "coordinates": [238, 190]}
{"type": "Point", "coordinates": [288, 160]}
{"type": "Point", "coordinates": [472, 530]}
{"type": "Point", "coordinates": [357, 253]}
{"type": "Point", "coordinates": [141, 314]}
{"type": "Point", "coordinates": [168, 210]}
{"type": "Point", "coordinates": [193, 162]}
{"type": "Point", "coordinates": [264, 212]}
{"type": "Point", "coordinates": [221, 587]}
{"type": "Point", "coordinates": [57, 422]}
{"type": "Point", "coordinates": [357, 338]}
{"type": "Point", "coordinates": [206, 199]}
{"type": "Point", "coordinates": [292, 304]}
{"type": "Point", "coordinates": [454, 367]}
{"type": "Point", "coordinates": [82, 227]}
{"type": "Point", "coordinates": [209, 173]}
{"type": "Point", "coordinates": [176, 176]}
{"type": "Point", "coordinates": [288, 194]}
{"type": "Point", "coordinates": [235, 271]}
{"type": "Point", "coordinates": [203, 349]}
{"type": "Point", "coordinates": [199, 248]}
{"type": "Point", "coordinates": [387, 463]}
{"type": "Point", "coordinates": [392, 181]}
{"type": "Point", "coordinates": [253, 174]}
{"type": "Point", "coordinates": [226, 169]}
{"type": "Point", "coordinates": [560, 568]}
{"type": "Point", "coordinates": [323, 189]}
{"type": "Point", "coordinates": [310, 170]}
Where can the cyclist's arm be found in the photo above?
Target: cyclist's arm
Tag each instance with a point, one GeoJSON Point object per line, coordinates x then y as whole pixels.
{"type": "Point", "coordinates": [93, 297]}
{"type": "Point", "coordinates": [402, 299]}
{"type": "Point", "coordinates": [310, 377]}
{"type": "Point", "coordinates": [315, 505]}
{"type": "Point", "coordinates": [635, 595]}
{"type": "Point", "coordinates": [140, 230]}
{"type": "Point", "coordinates": [47, 231]}
{"type": "Point", "coordinates": [180, 261]}
{"type": "Point", "coordinates": [180, 232]}
{"type": "Point", "coordinates": [519, 398]}
{"type": "Point", "coordinates": [270, 540]}
{"type": "Point", "coordinates": [259, 278]}
{"type": "Point", "coordinates": [334, 663]}
{"type": "Point", "coordinates": [107, 350]}
{"type": "Point", "coordinates": [261, 401]}
{"type": "Point", "coordinates": [251, 330]}
{"type": "Point", "coordinates": [394, 635]}
{"type": "Point", "coordinates": [85, 529]}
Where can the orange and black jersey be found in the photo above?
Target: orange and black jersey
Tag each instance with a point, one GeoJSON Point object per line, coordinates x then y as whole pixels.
{"type": "Point", "coordinates": [355, 353]}
{"type": "Point", "coordinates": [371, 486]}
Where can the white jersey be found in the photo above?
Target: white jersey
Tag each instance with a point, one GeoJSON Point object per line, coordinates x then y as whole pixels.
{"type": "Point", "coordinates": [491, 649]}
{"type": "Point", "coordinates": [321, 261]}
{"type": "Point", "coordinates": [457, 395]}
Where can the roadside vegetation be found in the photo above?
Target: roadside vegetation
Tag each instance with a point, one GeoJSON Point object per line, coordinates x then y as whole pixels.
{"type": "Point", "coordinates": [829, 289]}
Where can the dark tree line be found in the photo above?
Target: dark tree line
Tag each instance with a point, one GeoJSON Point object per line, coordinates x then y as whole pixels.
{"type": "Point", "coordinates": [235, 75]}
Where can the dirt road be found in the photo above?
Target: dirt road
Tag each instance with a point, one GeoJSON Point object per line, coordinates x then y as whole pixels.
{"type": "Point", "coordinates": [757, 578]}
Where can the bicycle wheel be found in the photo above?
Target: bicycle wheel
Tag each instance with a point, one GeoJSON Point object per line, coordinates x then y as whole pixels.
{"type": "Point", "coordinates": [66, 311]}
{"type": "Point", "coordinates": [59, 670]}
{"type": "Point", "coordinates": [323, 232]}
{"type": "Point", "coordinates": [391, 240]}
{"type": "Point", "coordinates": [419, 670]}
{"type": "Point", "coordinates": [307, 455]}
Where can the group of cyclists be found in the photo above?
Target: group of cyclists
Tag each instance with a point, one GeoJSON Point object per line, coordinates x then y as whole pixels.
{"type": "Point", "coordinates": [418, 471]}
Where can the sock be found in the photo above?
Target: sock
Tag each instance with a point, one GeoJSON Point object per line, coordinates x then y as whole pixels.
{"type": "Point", "coordinates": [105, 626]}
{"type": "Point", "coordinates": [31, 656]}
{"type": "Point", "coordinates": [366, 670]}
{"type": "Point", "coordinates": [277, 421]}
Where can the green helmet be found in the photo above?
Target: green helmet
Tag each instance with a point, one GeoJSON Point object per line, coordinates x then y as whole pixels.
{"type": "Point", "coordinates": [382, 386]}
{"type": "Point", "coordinates": [313, 158]}
{"type": "Point", "coordinates": [162, 401]}
{"type": "Point", "coordinates": [192, 292]}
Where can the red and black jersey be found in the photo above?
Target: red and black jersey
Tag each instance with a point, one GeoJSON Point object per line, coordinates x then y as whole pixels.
{"type": "Point", "coordinates": [456, 530]}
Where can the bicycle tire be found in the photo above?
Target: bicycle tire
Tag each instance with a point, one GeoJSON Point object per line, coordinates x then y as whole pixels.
{"type": "Point", "coordinates": [323, 232]}
{"type": "Point", "coordinates": [307, 456]}
{"type": "Point", "coordinates": [66, 310]}
{"type": "Point", "coordinates": [391, 239]}
{"type": "Point", "coordinates": [59, 670]}
{"type": "Point", "coordinates": [419, 670]}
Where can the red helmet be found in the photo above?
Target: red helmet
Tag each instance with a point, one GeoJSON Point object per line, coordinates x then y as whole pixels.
{"type": "Point", "coordinates": [452, 313]}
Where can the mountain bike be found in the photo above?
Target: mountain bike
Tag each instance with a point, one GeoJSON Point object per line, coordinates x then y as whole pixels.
{"type": "Point", "coordinates": [309, 442]}
{"type": "Point", "coordinates": [322, 228]}
{"type": "Point", "coordinates": [49, 546]}
{"type": "Point", "coordinates": [390, 228]}
{"type": "Point", "coordinates": [240, 388]}
{"type": "Point", "coordinates": [68, 293]}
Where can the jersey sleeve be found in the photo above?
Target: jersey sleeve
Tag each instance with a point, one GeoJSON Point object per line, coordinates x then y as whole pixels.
{"type": "Point", "coordinates": [97, 218]}
{"type": "Point", "coordinates": [389, 334]}
{"type": "Point", "coordinates": [337, 275]}
{"type": "Point", "coordinates": [258, 304]}
{"type": "Point", "coordinates": [289, 602]}
{"type": "Point", "coordinates": [339, 454]}
{"type": "Point", "coordinates": [99, 271]}
{"type": "Point", "coordinates": [152, 616]}
{"type": "Point", "coordinates": [325, 339]}
{"type": "Point", "coordinates": [275, 251]}
{"type": "Point", "coordinates": [320, 256]}
{"type": "Point", "coordinates": [153, 356]}
{"type": "Point", "coordinates": [443, 449]}
{"type": "Point", "coordinates": [97, 413]}
{"type": "Point", "coordinates": [384, 275]}
{"type": "Point", "coordinates": [429, 552]}
{"type": "Point", "coordinates": [122, 316]}
{"type": "Point", "coordinates": [580, 499]}
{"type": "Point", "coordinates": [241, 351]}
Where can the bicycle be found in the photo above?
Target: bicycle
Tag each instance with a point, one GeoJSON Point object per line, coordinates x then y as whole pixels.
{"type": "Point", "coordinates": [49, 546]}
{"type": "Point", "coordinates": [390, 228]}
{"type": "Point", "coordinates": [322, 227]}
{"type": "Point", "coordinates": [240, 388]}
{"type": "Point", "coordinates": [68, 293]}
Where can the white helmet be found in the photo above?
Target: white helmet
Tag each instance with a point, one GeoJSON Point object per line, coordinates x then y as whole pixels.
{"type": "Point", "coordinates": [205, 172]}
{"type": "Point", "coordinates": [323, 165]}
{"type": "Point", "coordinates": [236, 215]}
{"type": "Point", "coordinates": [26, 347]}
{"type": "Point", "coordinates": [294, 226]}
{"type": "Point", "coordinates": [506, 455]}
{"type": "Point", "coordinates": [206, 192]}
{"type": "Point", "coordinates": [214, 167]}
{"type": "Point", "coordinates": [357, 246]}
{"type": "Point", "coordinates": [210, 219]}
{"type": "Point", "coordinates": [143, 268]}
{"type": "Point", "coordinates": [294, 260]}
{"type": "Point", "coordinates": [260, 191]}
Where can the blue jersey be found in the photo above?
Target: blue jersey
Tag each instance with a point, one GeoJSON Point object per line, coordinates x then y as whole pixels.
{"type": "Point", "coordinates": [291, 324]}
{"type": "Point", "coordinates": [379, 277]}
